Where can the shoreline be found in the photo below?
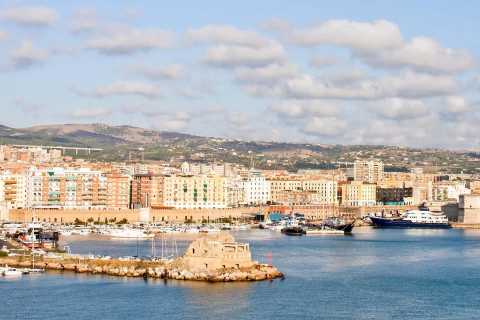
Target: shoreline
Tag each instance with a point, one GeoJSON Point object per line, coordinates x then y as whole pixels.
{"type": "Point", "coordinates": [172, 270]}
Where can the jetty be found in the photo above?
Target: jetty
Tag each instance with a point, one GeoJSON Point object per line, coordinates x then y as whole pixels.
{"type": "Point", "coordinates": [217, 258]}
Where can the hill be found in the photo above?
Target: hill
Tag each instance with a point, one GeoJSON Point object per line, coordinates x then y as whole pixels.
{"type": "Point", "coordinates": [123, 142]}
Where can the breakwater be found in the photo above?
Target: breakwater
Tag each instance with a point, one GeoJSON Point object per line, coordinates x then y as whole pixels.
{"type": "Point", "coordinates": [173, 269]}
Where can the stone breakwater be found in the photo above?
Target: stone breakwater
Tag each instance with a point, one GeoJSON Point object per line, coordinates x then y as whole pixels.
{"type": "Point", "coordinates": [148, 269]}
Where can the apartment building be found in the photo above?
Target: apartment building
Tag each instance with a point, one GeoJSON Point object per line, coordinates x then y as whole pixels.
{"type": "Point", "coordinates": [307, 189]}
{"type": "Point", "coordinates": [14, 191]}
{"type": "Point", "coordinates": [370, 171]}
{"type": "Point", "coordinates": [358, 194]}
{"type": "Point", "coordinates": [196, 192]}
{"type": "Point", "coordinates": [147, 190]}
{"type": "Point", "coordinates": [256, 189]}
{"type": "Point", "coordinates": [118, 191]}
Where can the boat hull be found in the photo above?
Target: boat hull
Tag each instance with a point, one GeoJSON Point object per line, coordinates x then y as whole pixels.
{"type": "Point", "coordinates": [399, 223]}
{"type": "Point", "coordinates": [293, 231]}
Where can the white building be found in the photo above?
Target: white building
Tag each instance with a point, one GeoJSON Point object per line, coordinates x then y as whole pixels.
{"type": "Point", "coordinates": [256, 189]}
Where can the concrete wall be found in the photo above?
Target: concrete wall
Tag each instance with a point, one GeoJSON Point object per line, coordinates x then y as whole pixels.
{"type": "Point", "coordinates": [469, 209]}
{"type": "Point", "coordinates": [132, 215]}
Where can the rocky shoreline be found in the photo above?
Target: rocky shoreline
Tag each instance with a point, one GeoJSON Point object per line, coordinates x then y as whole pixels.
{"type": "Point", "coordinates": [148, 269]}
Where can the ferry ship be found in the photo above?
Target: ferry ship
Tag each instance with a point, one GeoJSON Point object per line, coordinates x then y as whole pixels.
{"type": "Point", "coordinates": [412, 219]}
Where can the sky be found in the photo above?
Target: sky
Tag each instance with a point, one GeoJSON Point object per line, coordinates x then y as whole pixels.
{"type": "Point", "coordinates": [348, 72]}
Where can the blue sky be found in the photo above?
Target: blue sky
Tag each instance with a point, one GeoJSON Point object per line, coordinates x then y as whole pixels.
{"type": "Point", "coordinates": [350, 72]}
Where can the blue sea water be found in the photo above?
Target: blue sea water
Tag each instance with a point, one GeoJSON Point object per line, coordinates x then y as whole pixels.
{"type": "Point", "coordinates": [373, 274]}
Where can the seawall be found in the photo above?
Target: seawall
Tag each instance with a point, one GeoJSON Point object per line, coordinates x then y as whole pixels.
{"type": "Point", "coordinates": [171, 269]}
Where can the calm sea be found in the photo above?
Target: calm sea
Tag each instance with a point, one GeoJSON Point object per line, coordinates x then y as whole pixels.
{"type": "Point", "coordinates": [373, 274]}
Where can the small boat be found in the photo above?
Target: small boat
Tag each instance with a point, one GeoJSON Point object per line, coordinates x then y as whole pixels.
{"type": "Point", "coordinates": [339, 224]}
{"type": "Point", "coordinates": [130, 234]}
{"type": "Point", "coordinates": [10, 272]}
{"type": "Point", "coordinates": [293, 231]}
{"type": "Point", "coordinates": [327, 231]}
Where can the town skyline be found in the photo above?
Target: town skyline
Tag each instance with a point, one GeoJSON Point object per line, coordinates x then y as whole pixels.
{"type": "Point", "coordinates": [346, 74]}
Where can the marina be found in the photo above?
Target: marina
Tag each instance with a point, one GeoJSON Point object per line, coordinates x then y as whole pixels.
{"type": "Point", "coordinates": [337, 277]}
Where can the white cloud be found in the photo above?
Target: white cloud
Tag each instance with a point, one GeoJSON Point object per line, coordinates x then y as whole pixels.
{"type": "Point", "coordinates": [143, 89]}
{"type": "Point", "coordinates": [224, 34]}
{"type": "Point", "coordinates": [406, 85]}
{"type": "Point", "coordinates": [304, 108]}
{"type": "Point", "coordinates": [29, 15]}
{"type": "Point", "coordinates": [325, 126]}
{"type": "Point", "coordinates": [27, 55]}
{"type": "Point", "coordinates": [170, 121]}
{"type": "Point", "coordinates": [400, 109]}
{"type": "Point", "coordinates": [233, 47]}
{"type": "Point", "coordinates": [84, 20]}
{"type": "Point", "coordinates": [129, 40]}
{"type": "Point", "coordinates": [91, 112]}
{"type": "Point", "coordinates": [169, 72]}
{"type": "Point", "coordinates": [381, 44]}
{"type": "Point", "coordinates": [235, 56]}
{"type": "Point", "coordinates": [3, 35]}
{"type": "Point", "coordinates": [364, 36]}
{"type": "Point", "coordinates": [266, 74]}
{"type": "Point", "coordinates": [457, 105]}
{"type": "Point", "coordinates": [424, 54]}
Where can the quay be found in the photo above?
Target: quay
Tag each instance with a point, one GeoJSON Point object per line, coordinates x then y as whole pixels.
{"type": "Point", "coordinates": [209, 258]}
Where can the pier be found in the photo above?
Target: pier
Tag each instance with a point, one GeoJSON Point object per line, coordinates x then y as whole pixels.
{"type": "Point", "coordinates": [209, 258]}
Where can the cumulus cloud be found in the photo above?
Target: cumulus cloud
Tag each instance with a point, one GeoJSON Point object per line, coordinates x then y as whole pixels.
{"type": "Point", "coordinates": [266, 74]}
{"type": "Point", "coordinates": [381, 44]}
{"type": "Point", "coordinates": [457, 104]}
{"type": "Point", "coordinates": [169, 72]}
{"type": "Point", "coordinates": [364, 36]}
{"type": "Point", "coordinates": [225, 34]}
{"type": "Point", "coordinates": [36, 16]}
{"type": "Point", "coordinates": [233, 47]}
{"type": "Point", "coordinates": [304, 109]}
{"type": "Point", "coordinates": [400, 109]}
{"type": "Point", "coordinates": [129, 40]}
{"type": "Point", "coordinates": [27, 55]}
{"type": "Point", "coordinates": [84, 20]}
{"type": "Point", "coordinates": [142, 89]}
{"type": "Point", "coordinates": [406, 85]}
{"type": "Point", "coordinates": [424, 54]}
{"type": "Point", "coordinates": [91, 112]}
{"type": "Point", "coordinates": [325, 126]}
{"type": "Point", "coordinates": [235, 56]}
{"type": "Point", "coordinates": [171, 121]}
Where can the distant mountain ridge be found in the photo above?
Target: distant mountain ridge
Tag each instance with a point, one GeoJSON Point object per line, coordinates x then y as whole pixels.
{"type": "Point", "coordinates": [124, 143]}
{"type": "Point", "coordinates": [93, 135]}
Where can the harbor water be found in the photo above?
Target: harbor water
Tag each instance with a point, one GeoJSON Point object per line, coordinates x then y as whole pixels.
{"type": "Point", "coordinates": [372, 274]}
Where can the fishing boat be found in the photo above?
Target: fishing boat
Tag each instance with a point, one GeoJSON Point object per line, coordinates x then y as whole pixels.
{"type": "Point", "coordinates": [293, 231]}
{"type": "Point", "coordinates": [339, 224]}
{"type": "Point", "coordinates": [322, 229]}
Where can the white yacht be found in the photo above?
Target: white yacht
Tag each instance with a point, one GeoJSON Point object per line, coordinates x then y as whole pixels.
{"type": "Point", "coordinates": [413, 219]}
{"type": "Point", "coordinates": [130, 233]}
{"type": "Point", "coordinates": [10, 272]}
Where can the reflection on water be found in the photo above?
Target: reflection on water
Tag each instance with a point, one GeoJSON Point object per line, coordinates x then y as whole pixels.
{"type": "Point", "coordinates": [374, 274]}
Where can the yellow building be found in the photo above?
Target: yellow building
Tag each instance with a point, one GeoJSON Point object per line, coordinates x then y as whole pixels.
{"type": "Point", "coordinates": [187, 192]}
{"type": "Point", "coordinates": [359, 194]}
{"type": "Point", "coordinates": [307, 189]}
